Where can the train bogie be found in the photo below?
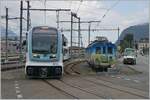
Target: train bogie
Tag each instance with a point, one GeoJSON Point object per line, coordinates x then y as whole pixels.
{"type": "Point", "coordinates": [40, 70]}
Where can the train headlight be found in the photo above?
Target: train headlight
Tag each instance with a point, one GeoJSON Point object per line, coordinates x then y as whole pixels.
{"type": "Point", "coordinates": [53, 56]}
{"type": "Point", "coordinates": [35, 55]}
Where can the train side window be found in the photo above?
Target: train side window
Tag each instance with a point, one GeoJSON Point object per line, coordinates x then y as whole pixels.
{"type": "Point", "coordinates": [109, 50]}
{"type": "Point", "coordinates": [98, 50]}
{"type": "Point", "coordinates": [104, 50]}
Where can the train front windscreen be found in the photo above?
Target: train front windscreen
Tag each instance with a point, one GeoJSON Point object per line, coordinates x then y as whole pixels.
{"type": "Point", "coordinates": [44, 41]}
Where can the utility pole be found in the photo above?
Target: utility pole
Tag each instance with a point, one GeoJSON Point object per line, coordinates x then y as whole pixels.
{"type": "Point", "coordinates": [28, 20]}
{"type": "Point", "coordinates": [6, 34]}
{"type": "Point", "coordinates": [81, 41]}
{"type": "Point", "coordinates": [118, 35]}
{"type": "Point", "coordinates": [57, 16]}
{"type": "Point", "coordinates": [28, 15]}
{"type": "Point", "coordinates": [79, 36]}
{"type": "Point", "coordinates": [71, 33]}
{"type": "Point", "coordinates": [75, 16]}
{"type": "Point", "coordinates": [89, 33]}
{"type": "Point", "coordinates": [21, 14]}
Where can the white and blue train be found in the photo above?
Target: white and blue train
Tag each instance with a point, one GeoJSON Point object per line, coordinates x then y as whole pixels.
{"type": "Point", "coordinates": [101, 54]}
{"type": "Point", "coordinates": [44, 57]}
{"type": "Point", "coordinates": [66, 55]}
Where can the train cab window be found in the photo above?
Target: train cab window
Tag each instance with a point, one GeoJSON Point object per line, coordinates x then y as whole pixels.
{"type": "Point", "coordinates": [110, 50]}
{"type": "Point", "coordinates": [104, 50]}
{"type": "Point", "coordinates": [44, 41]}
{"type": "Point", "coordinates": [98, 50]}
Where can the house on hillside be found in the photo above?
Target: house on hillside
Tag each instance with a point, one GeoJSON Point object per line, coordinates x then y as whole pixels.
{"type": "Point", "coordinates": [143, 43]}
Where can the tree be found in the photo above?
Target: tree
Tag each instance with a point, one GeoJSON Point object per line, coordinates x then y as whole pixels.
{"type": "Point", "coordinates": [127, 42]}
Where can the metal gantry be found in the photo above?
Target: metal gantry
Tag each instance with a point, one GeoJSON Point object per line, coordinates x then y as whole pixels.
{"type": "Point", "coordinates": [28, 9]}
{"type": "Point", "coordinates": [45, 9]}
{"type": "Point", "coordinates": [28, 16]}
{"type": "Point", "coordinates": [56, 10]}
{"type": "Point", "coordinates": [89, 27]}
{"type": "Point", "coordinates": [100, 29]}
{"type": "Point", "coordinates": [21, 15]}
{"type": "Point", "coordinates": [6, 36]}
{"type": "Point", "coordinates": [73, 15]}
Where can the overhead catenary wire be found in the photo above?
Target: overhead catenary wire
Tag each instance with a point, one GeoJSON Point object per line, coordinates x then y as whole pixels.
{"type": "Point", "coordinates": [94, 12]}
{"type": "Point", "coordinates": [79, 6]}
{"type": "Point", "coordinates": [107, 12]}
{"type": "Point", "coordinates": [93, 6]}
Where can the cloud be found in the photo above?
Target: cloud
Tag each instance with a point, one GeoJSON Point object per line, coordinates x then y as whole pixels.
{"type": "Point", "coordinates": [88, 10]}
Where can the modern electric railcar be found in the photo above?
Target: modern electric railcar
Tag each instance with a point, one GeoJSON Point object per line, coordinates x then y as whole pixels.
{"type": "Point", "coordinates": [44, 58]}
{"type": "Point", "coordinates": [101, 54]}
{"type": "Point", "coordinates": [66, 55]}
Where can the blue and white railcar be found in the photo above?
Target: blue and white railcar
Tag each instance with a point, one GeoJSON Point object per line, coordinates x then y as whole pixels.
{"type": "Point", "coordinates": [66, 55]}
{"type": "Point", "coordinates": [101, 54]}
{"type": "Point", "coordinates": [44, 58]}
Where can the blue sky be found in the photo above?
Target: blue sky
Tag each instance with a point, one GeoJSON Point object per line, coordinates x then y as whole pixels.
{"type": "Point", "coordinates": [130, 6]}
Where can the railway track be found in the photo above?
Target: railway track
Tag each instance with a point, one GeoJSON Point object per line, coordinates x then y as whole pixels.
{"type": "Point", "coordinates": [79, 87]}
{"type": "Point", "coordinates": [98, 78]}
{"type": "Point", "coordinates": [12, 66]}
{"type": "Point", "coordinates": [136, 92]}
{"type": "Point", "coordinates": [59, 89]}
{"type": "Point", "coordinates": [69, 70]}
{"type": "Point", "coordinates": [74, 91]}
{"type": "Point", "coordinates": [127, 90]}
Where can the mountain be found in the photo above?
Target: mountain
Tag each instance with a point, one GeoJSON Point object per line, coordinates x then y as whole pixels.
{"type": "Point", "coordinates": [11, 34]}
{"type": "Point", "coordinates": [138, 31]}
